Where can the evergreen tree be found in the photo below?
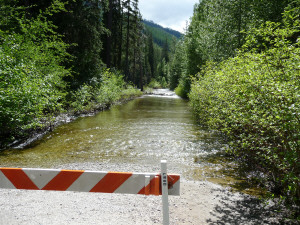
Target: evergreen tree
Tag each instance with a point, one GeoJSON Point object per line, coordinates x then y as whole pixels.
{"type": "Point", "coordinates": [165, 51]}
{"type": "Point", "coordinates": [82, 27]}
{"type": "Point", "coordinates": [127, 6]}
{"type": "Point", "coordinates": [151, 54]}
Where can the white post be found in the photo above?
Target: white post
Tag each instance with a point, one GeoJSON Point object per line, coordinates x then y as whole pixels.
{"type": "Point", "coordinates": [164, 187]}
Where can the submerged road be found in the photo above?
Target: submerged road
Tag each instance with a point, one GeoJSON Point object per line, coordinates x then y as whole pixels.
{"type": "Point", "coordinates": [133, 137]}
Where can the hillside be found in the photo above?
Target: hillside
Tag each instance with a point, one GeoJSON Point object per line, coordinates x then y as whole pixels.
{"type": "Point", "coordinates": [160, 34]}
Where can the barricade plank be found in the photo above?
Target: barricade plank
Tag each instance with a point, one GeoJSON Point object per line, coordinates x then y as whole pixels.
{"type": "Point", "coordinates": [86, 181]}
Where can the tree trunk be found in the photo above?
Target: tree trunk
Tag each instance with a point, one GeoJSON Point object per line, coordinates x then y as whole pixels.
{"type": "Point", "coordinates": [108, 39]}
{"type": "Point", "coordinates": [127, 41]}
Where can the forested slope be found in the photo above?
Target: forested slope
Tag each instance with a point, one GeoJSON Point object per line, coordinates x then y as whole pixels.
{"type": "Point", "coordinates": [160, 34]}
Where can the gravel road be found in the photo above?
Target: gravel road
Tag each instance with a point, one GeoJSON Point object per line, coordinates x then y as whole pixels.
{"type": "Point", "coordinates": [200, 202]}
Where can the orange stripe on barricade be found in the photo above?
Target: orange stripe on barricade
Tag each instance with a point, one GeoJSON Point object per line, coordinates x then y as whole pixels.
{"type": "Point", "coordinates": [63, 180]}
{"type": "Point", "coordinates": [18, 178]}
{"type": "Point", "coordinates": [147, 189]}
{"type": "Point", "coordinates": [172, 179]}
{"type": "Point", "coordinates": [110, 182]}
{"type": "Point", "coordinates": [154, 188]}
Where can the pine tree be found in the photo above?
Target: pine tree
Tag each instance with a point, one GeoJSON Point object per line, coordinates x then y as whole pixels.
{"type": "Point", "coordinates": [165, 51]}
{"type": "Point", "coordinates": [127, 6]}
{"type": "Point", "coordinates": [151, 54]}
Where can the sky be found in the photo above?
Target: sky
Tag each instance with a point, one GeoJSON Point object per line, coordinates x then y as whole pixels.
{"type": "Point", "coordinates": [168, 13]}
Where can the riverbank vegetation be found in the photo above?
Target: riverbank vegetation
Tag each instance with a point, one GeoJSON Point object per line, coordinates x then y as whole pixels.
{"type": "Point", "coordinates": [69, 57]}
{"type": "Point", "coordinates": [239, 65]}
{"type": "Point", "coordinates": [73, 56]}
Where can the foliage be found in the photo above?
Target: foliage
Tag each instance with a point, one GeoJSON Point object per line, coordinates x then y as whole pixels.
{"type": "Point", "coordinates": [34, 62]}
{"type": "Point", "coordinates": [154, 84]}
{"type": "Point", "coordinates": [254, 99]}
{"type": "Point", "coordinates": [101, 93]}
{"type": "Point", "coordinates": [130, 92]}
{"type": "Point", "coordinates": [159, 52]}
{"type": "Point", "coordinates": [177, 65]}
{"type": "Point", "coordinates": [217, 30]}
{"type": "Point", "coordinates": [81, 26]}
{"type": "Point", "coordinates": [110, 88]}
{"type": "Point", "coordinates": [183, 88]}
{"type": "Point", "coordinates": [31, 74]}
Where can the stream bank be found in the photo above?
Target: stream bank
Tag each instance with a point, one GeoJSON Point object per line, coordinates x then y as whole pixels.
{"type": "Point", "coordinates": [31, 136]}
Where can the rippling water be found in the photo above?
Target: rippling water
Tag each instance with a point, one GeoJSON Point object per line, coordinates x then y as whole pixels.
{"type": "Point", "coordinates": [142, 131]}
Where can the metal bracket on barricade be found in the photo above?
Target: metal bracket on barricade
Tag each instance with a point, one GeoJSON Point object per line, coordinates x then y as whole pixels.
{"type": "Point", "coordinates": [94, 181]}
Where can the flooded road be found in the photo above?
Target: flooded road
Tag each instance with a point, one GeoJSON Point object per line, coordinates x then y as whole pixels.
{"type": "Point", "coordinates": [140, 132]}
{"type": "Point", "coordinates": [134, 137]}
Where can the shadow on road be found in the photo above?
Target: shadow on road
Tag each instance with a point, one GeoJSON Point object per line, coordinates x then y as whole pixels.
{"type": "Point", "coordinates": [247, 210]}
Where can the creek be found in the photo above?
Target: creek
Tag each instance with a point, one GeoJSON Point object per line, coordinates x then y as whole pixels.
{"type": "Point", "coordinates": [142, 131]}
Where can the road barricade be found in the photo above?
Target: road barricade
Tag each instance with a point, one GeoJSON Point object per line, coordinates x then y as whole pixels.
{"type": "Point", "coordinates": [94, 181]}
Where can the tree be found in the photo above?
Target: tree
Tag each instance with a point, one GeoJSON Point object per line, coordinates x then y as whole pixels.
{"type": "Point", "coordinates": [151, 55]}
{"type": "Point", "coordinates": [217, 30]}
{"type": "Point", "coordinates": [127, 6]}
{"type": "Point", "coordinates": [165, 51]}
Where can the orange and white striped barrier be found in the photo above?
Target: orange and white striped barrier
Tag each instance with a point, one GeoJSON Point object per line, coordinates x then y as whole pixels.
{"type": "Point", "coordinates": [93, 181]}
{"type": "Point", "coordinates": [86, 181]}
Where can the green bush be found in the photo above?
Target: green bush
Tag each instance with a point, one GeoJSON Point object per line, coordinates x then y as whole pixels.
{"type": "Point", "coordinates": [103, 91]}
{"type": "Point", "coordinates": [184, 87]}
{"type": "Point", "coordinates": [154, 84]}
{"type": "Point", "coordinates": [31, 77]}
{"type": "Point", "coordinates": [110, 89]}
{"type": "Point", "coordinates": [81, 98]}
{"type": "Point", "coordinates": [180, 91]}
{"type": "Point", "coordinates": [254, 99]}
{"type": "Point", "coordinates": [130, 92]}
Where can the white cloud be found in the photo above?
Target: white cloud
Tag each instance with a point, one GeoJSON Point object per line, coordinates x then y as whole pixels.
{"type": "Point", "coordinates": [168, 13]}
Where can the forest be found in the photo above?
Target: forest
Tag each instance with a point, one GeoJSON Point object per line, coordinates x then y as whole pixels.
{"type": "Point", "coordinates": [238, 64]}
{"type": "Point", "coordinates": [72, 57]}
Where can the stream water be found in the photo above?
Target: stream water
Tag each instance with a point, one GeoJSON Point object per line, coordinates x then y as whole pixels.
{"type": "Point", "coordinates": [142, 131]}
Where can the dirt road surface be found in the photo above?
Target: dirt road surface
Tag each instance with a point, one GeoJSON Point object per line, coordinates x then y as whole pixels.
{"type": "Point", "coordinates": [200, 202]}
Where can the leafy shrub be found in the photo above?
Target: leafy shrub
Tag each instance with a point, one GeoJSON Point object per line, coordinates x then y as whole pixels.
{"type": "Point", "coordinates": [31, 77]}
{"type": "Point", "coordinates": [130, 92]}
{"type": "Point", "coordinates": [184, 87]}
{"type": "Point", "coordinates": [110, 89]}
{"type": "Point", "coordinates": [154, 84]}
{"type": "Point", "coordinates": [103, 91]}
{"type": "Point", "coordinates": [180, 91]}
{"type": "Point", "coordinates": [254, 99]}
{"type": "Point", "coordinates": [81, 98]}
